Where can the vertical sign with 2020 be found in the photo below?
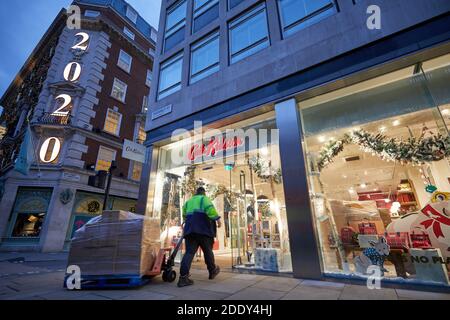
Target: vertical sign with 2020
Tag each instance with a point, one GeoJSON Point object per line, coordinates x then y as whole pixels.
{"type": "Point", "coordinates": [72, 72]}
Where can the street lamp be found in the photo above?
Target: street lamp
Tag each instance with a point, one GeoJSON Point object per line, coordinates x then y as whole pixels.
{"type": "Point", "coordinates": [108, 185]}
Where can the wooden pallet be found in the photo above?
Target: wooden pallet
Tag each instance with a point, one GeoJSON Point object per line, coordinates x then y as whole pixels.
{"type": "Point", "coordinates": [112, 282]}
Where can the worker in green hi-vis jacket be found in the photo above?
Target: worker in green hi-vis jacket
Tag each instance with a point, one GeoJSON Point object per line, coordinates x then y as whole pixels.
{"type": "Point", "coordinates": [200, 227]}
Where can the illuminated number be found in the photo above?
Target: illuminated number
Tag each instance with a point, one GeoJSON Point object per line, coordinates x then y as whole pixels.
{"type": "Point", "coordinates": [83, 44]}
{"type": "Point", "coordinates": [50, 150]}
{"type": "Point", "coordinates": [72, 72]}
{"type": "Point", "coordinates": [67, 102]}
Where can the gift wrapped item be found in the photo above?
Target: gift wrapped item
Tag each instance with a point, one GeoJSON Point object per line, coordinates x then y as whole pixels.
{"type": "Point", "coordinates": [116, 243]}
{"type": "Point", "coordinates": [367, 228]}
{"type": "Point", "coordinates": [398, 240]}
{"type": "Point", "coordinates": [420, 240]}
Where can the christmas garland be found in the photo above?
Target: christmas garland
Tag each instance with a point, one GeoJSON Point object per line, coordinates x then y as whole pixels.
{"type": "Point", "coordinates": [413, 150]}
{"type": "Point", "coordinates": [264, 171]}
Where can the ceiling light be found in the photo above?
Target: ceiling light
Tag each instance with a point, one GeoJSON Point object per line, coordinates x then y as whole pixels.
{"type": "Point", "coordinates": [445, 112]}
{"type": "Point", "coordinates": [382, 129]}
{"type": "Point", "coordinates": [396, 123]}
{"type": "Point", "coordinates": [322, 139]}
{"type": "Point", "coordinates": [363, 185]}
{"type": "Point", "coordinates": [264, 151]}
{"type": "Point", "coordinates": [387, 200]}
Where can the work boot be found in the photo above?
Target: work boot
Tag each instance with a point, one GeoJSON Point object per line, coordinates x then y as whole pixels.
{"type": "Point", "coordinates": [214, 274]}
{"type": "Point", "coordinates": [184, 281]}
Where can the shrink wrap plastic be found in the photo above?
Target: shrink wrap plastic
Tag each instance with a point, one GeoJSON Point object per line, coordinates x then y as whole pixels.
{"type": "Point", "coordinates": [116, 243]}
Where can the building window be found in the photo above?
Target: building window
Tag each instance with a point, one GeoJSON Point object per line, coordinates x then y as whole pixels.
{"type": "Point", "coordinates": [142, 135]}
{"type": "Point", "coordinates": [205, 11]}
{"type": "Point", "coordinates": [91, 13]}
{"type": "Point", "coordinates": [112, 122]}
{"type": "Point", "coordinates": [205, 57]}
{"type": "Point", "coordinates": [148, 80]}
{"type": "Point", "coordinates": [249, 33]}
{"type": "Point", "coordinates": [145, 104]}
{"type": "Point", "coordinates": [119, 90]}
{"type": "Point", "coordinates": [234, 3]}
{"type": "Point", "coordinates": [125, 61]}
{"type": "Point", "coordinates": [175, 25]}
{"type": "Point", "coordinates": [170, 76]}
{"type": "Point", "coordinates": [132, 14]}
{"type": "Point", "coordinates": [298, 14]}
{"type": "Point", "coordinates": [128, 33]}
{"type": "Point", "coordinates": [104, 158]}
{"type": "Point", "coordinates": [137, 171]}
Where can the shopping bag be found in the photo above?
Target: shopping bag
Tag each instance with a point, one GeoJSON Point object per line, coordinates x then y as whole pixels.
{"type": "Point", "coordinates": [420, 240]}
{"type": "Point", "coordinates": [367, 228]}
{"type": "Point", "coordinates": [398, 240]}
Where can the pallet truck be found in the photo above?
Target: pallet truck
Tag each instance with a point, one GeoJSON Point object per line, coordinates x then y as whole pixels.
{"type": "Point", "coordinates": [164, 264]}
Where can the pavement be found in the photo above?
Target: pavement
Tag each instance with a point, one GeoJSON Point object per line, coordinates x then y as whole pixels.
{"type": "Point", "coordinates": [35, 276]}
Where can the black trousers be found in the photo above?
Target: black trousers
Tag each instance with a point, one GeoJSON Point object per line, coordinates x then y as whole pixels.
{"type": "Point", "coordinates": [193, 242]}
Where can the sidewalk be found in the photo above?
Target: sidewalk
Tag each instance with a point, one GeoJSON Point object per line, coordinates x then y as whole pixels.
{"type": "Point", "coordinates": [31, 281]}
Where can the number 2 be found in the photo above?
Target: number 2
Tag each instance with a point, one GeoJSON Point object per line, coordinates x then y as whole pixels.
{"type": "Point", "coordinates": [67, 101]}
{"type": "Point", "coordinates": [83, 44]}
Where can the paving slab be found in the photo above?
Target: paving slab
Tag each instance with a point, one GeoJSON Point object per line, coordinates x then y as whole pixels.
{"type": "Point", "coordinates": [421, 295]}
{"type": "Point", "coordinates": [278, 283]}
{"type": "Point", "coordinates": [355, 292]}
{"type": "Point", "coordinates": [253, 293]}
{"type": "Point", "coordinates": [312, 293]}
{"type": "Point", "coordinates": [229, 286]}
{"type": "Point", "coordinates": [147, 295]}
{"type": "Point", "coordinates": [200, 294]}
{"type": "Point", "coordinates": [250, 277]}
{"type": "Point", "coordinates": [322, 284]}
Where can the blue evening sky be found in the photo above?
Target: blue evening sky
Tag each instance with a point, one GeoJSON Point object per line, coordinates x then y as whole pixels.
{"type": "Point", "coordinates": [24, 22]}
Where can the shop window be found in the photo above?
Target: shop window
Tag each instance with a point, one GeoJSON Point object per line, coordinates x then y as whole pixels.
{"type": "Point", "coordinates": [249, 33]}
{"type": "Point", "coordinates": [205, 57]}
{"type": "Point", "coordinates": [112, 122]}
{"type": "Point", "coordinates": [105, 158]}
{"type": "Point", "coordinates": [244, 181]}
{"type": "Point", "coordinates": [378, 167]}
{"type": "Point", "coordinates": [119, 90]}
{"type": "Point", "coordinates": [124, 61]}
{"type": "Point", "coordinates": [205, 11]}
{"type": "Point", "coordinates": [175, 25]}
{"type": "Point", "coordinates": [170, 76]}
{"type": "Point", "coordinates": [298, 14]}
{"type": "Point", "coordinates": [30, 210]}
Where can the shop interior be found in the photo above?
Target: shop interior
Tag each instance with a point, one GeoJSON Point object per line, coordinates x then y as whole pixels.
{"type": "Point", "coordinates": [360, 193]}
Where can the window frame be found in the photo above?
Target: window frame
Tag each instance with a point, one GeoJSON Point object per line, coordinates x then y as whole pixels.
{"type": "Point", "coordinates": [121, 53]}
{"type": "Point", "coordinates": [241, 19]}
{"type": "Point", "coordinates": [125, 93]}
{"type": "Point", "coordinates": [196, 13]}
{"type": "Point", "coordinates": [130, 34]}
{"type": "Point", "coordinates": [174, 59]}
{"type": "Point", "coordinates": [200, 44]}
{"type": "Point", "coordinates": [179, 24]}
{"type": "Point", "coordinates": [91, 13]}
{"type": "Point", "coordinates": [119, 124]}
{"type": "Point", "coordinates": [285, 29]}
{"type": "Point", "coordinates": [148, 80]}
{"type": "Point", "coordinates": [134, 15]}
{"type": "Point", "coordinates": [98, 155]}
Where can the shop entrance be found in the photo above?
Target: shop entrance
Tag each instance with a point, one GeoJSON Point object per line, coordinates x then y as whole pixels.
{"type": "Point", "coordinates": [249, 196]}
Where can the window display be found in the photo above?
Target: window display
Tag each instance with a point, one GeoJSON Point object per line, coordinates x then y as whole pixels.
{"type": "Point", "coordinates": [378, 157]}
{"type": "Point", "coordinates": [244, 181]}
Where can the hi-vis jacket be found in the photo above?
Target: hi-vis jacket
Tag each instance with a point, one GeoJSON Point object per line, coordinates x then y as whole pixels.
{"type": "Point", "coordinates": [200, 216]}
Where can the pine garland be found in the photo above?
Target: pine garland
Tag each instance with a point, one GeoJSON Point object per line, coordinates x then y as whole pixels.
{"type": "Point", "coordinates": [264, 171]}
{"type": "Point", "coordinates": [414, 150]}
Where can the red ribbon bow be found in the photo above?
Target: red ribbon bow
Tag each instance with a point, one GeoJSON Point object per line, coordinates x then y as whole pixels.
{"type": "Point", "coordinates": [436, 218]}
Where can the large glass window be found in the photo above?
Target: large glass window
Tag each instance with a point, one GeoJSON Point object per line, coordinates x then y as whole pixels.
{"type": "Point", "coordinates": [112, 122]}
{"type": "Point", "coordinates": [104, 158]}
{"type": "Point", "coordinates": [205, 11]}
{"type": "Point", "coordinates": [234, 3]}
{"type": "Point", "coordinates": [379, 174]}
{"type": "Point", "coordinates": [119, 90]}
{"type": "Point", "coordinates": [205, 57]}
{"type": "Point", "coordinates": [241, 173]}
{"type": "Point", "coordinates": [124, 61]}
{"type": "Point", "coordinates": [298, 14]}
{"type": "Point", "coordinates": [249, 33]}
{"type": "Point", "coordinates": [170, 76]}
{"type": "Point", "coordinates": [175, 25]}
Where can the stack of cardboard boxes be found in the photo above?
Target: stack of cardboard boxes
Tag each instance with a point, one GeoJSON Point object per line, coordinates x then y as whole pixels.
{"type": "Point", "coordinates": [116, 243]}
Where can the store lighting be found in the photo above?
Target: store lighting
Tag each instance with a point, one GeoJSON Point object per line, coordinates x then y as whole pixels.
{"type": "Point", "coordinates": [396, 123]}
{"type": "Point", "coordinates": [322, 139]}
{"type": "Point", "coordinates": [387, 200]}
{"type": "Point", "coordinates": [264, 151]}
{"type": "Point", "coordinates": [382, 129]}
{"type": "Point", "coordinates": [363, 185]}
{"type": "Point", "coordinates": [445, 112]}
{"type": "Point", "coordinates": [351, 190]}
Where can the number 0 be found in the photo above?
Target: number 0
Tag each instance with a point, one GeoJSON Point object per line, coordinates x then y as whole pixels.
{"type": "Point", "coordinates": [45, 150]}
{"type": "Point", "coordinates": [72, 72]}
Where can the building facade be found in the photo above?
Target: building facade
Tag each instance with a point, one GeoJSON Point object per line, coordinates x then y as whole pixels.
{"type": "Point", "coordinates": [78, 104]}
{"type": "Point", "coordinates": [348, 104]}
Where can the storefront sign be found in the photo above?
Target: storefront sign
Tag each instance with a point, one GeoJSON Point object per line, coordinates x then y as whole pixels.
{"type": "Point", "coordinates": [214, 146]}
{"type": "Point", "coordinates": [133, 151]}
{"type": "Point", "coordinates": [158, 113]}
